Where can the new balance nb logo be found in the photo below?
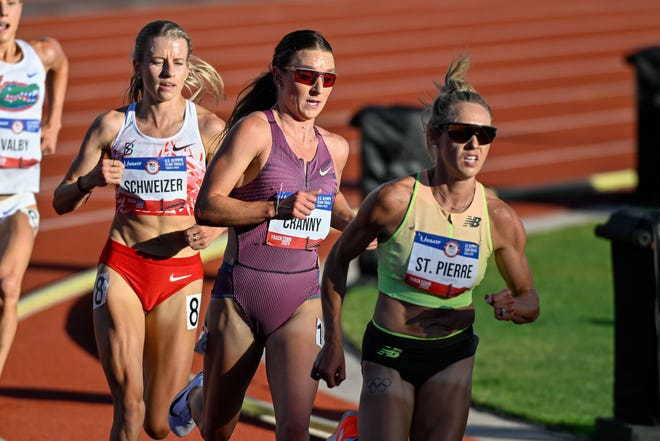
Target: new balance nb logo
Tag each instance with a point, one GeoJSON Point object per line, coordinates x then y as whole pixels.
{"type": "Point", "coordinates": [390, 352]}
{"type": "Point", "coordinates": [472, 221]}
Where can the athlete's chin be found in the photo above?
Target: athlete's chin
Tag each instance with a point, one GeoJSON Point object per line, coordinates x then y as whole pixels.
{"type": "Point", "coordinates": [312, 110]}
{"type": "Point", "coordinates": [167, 95]}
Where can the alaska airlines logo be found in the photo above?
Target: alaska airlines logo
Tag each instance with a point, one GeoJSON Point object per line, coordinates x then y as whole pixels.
{"type": "Point", "coordinates": [18, 96]}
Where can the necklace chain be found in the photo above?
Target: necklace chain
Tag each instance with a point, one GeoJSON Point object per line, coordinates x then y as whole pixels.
{"type": "Point", "coordinates": [435, 189]}
{"type": "Point", "coordinates": [460, 209]}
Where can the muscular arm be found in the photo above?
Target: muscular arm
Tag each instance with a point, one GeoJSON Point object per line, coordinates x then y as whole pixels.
{"type": "Point", "coordinates": [520, 300]}
{"type": "Point", "coordinates": [56, 64]}
{"type": "Point", "coordinates": [90, 165]}
{"type": "Point", "coordinates": [338, 147]}
{"type": "Point", "coordinates": [242, 154]}
{"type": "Point", "coordinates": [378, 217]}
{"type": "Point", "coordinates": [211, 129]}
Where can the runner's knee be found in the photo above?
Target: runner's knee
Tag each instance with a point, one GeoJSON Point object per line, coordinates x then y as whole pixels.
{"type": "Point", "coordinates": [10, 289]}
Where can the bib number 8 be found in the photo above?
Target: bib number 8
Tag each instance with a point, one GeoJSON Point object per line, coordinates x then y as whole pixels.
{"type": "Point", "coordinates": [193, 310]}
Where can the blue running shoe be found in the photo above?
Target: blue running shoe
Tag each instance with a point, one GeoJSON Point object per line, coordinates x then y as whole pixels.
{"type": "Point", "coordinates": [180, 419]}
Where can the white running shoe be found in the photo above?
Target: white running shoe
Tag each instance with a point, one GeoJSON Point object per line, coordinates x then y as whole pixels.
{"type": "Point", "coordinates": [347, 429]}
{"type": "Point", "coordinates": [180, 419]}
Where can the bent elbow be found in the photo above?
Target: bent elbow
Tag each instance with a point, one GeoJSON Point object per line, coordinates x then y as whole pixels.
{"type": "Point", "coordinates": [59, 207]}
{"type": "Point", "coordinates": [202, 215]}
{"type": "Point", "coordinates": [200, 219]}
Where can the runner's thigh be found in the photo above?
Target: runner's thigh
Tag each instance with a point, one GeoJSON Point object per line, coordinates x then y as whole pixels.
{"type": "Point", "coordinates": [443, 403]}
{"type": "Point", "coordinates": [290, 354]}
{"type": "Point", "coordinates": [386, 404]}
{"type": "Point", "coordinates": [232, 357]}
{"type": "Point", "coordinates": [119, 330]}
{"type": "Point", "coordinates": [170, 334]}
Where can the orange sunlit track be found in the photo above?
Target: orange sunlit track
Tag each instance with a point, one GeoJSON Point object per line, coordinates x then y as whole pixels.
{"type": "Point", "coordinates": [553, 71]}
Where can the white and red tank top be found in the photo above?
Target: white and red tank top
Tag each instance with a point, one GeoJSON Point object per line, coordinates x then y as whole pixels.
{"type": "Point", "coordinates": [162, 176]}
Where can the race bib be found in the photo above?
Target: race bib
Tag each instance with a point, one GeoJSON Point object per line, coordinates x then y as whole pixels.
{"type": "Point", "coordinates": [442, 266]}
{"type": "Point", "coordinates": [193, 308]}
{"type": "Point", "coordinates": [320, 333]}
{"type": "Point", "coordinates": [156, 179]}
{"type": "Point", "coordinates": [100, 292]}
{"type": "Point", "coordinates": [302, 234]}
{"type": "Point", "coordinates": [20, 146]}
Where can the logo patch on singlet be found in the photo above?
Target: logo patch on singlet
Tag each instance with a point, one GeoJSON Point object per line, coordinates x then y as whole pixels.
{"type": "Point", "coordinates": [152, 166]}
{"type": "Point", "coordinates": [177, 148]}
{"type": "Point", "coordinates": [16, 96]}
{"type": "Point", "coordinates": [472, 222]}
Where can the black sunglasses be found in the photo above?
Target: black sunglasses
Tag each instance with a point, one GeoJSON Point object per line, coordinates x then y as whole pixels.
{"type": "Point", "coordinates": [462, 133]}
{"type": "Point", "coordinates": [309, 77]}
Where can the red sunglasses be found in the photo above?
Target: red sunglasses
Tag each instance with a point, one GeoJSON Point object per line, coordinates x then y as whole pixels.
{"type": "Point", "coordinates": [462, 133]}
{"type": "Point", "coordinates": [308, 77]}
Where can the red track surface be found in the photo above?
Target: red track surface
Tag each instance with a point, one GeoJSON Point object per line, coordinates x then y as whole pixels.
{"type": "Point", "coordinates": [553, 71]}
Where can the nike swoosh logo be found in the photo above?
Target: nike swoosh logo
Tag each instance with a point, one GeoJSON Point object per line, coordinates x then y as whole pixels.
{"type": "Point", "coordinates": [176, 149]}
{"type": "Point", "coordinates": [11, 210]}
{"type": "Point", "coordinates": [325, 172]}
{"type": "Point", "coordinates": [174, 278]}
{"type": "Point", "coordinates": [30, 75]}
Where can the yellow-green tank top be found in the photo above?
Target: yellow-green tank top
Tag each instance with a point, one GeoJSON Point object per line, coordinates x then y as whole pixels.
{"type": "Point", "coordinates": [434, 259]}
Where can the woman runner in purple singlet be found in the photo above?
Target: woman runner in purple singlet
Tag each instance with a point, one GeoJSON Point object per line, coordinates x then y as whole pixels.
{"type": "Point", "coordinates": [275, 184]}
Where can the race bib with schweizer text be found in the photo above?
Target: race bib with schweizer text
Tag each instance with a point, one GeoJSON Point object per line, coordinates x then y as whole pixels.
{"type": "Point", "coordinates": [156, 179]}
{"type": "Point", "coordinates": [442, 266]}
{"type": "Point", "coordinates": [302, 234]}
